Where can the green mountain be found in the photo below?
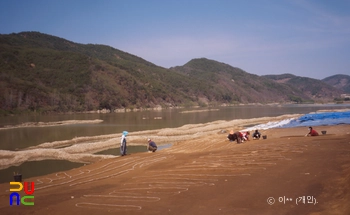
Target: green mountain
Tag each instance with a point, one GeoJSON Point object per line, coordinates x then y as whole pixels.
{"type": "Point", "coordinates": [47, 73]}
{"type": "Point", "coordinates": [314, 89]}
{"type": "Point", "coordinates": [223, 82]}
{"type": "Point", "coordinates": [40, 72]}
{"type": "Point", "coordinates": [341, 82]}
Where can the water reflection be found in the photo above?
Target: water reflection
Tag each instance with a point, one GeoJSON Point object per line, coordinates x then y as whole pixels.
{"type": "Point", "coordinates": [36, 168]}
{"type": "Point", "coordinates": [19, 138]}
{"type": "Point", "coordinates": [131, 150]}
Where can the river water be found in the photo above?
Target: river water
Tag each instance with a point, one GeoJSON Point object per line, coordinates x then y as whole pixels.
{"type": "Point", "coordinates": [21, 138]}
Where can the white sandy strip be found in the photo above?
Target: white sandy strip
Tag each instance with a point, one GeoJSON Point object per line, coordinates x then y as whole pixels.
{"type": "Point", "coordinates": [81, 149]}
{"type": "Point", "coordinates": [48, 124]}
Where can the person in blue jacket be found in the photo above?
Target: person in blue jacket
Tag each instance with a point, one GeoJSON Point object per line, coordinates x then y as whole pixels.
{"type": "Point", "coordinates": [123, 143]}
{"type": "Point", "coordinates": [151, 145]}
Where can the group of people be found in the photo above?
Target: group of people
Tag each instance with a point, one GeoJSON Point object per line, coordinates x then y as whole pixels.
{"type": "Point", "coordinates": [240, 137]}
{"type": "Point", "coordinates": [152, 146]}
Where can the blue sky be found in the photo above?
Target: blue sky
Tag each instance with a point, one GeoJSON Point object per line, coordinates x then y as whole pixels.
{"type": "Point", "coordinates": [309, 38]}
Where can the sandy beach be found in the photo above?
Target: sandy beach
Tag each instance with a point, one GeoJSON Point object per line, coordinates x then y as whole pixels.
{"type": "Point", "coordinates": [204, 173]}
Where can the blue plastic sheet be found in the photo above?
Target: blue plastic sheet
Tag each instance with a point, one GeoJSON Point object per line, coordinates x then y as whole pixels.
{"type": "Point", "coordinates": [318, 119]}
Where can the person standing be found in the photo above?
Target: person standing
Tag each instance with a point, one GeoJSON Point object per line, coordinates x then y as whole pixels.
{"type": "Point", "coordinates": [123, 143]}
{"type": "Point", "coordinates": [151, 145]}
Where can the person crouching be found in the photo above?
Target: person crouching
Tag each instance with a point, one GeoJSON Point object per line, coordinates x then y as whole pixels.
{"type": "Point", "coordinates": [152, 145]}
{"type": "Point", "coordinates": [256, 134]}
{"type": "Point", "coordinates": [238, 136]}
{"type": "Point", "coordinates": [312, 132]}
{"type": "Point", "coordinates": [245, 136]}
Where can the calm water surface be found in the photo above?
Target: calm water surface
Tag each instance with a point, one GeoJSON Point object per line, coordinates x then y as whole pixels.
{"type": "Point", "coordinates": [19, 138]}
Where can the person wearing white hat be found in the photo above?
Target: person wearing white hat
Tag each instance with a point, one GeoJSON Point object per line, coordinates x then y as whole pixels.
{"type": "Point", "coordinates": [151, 145]}
{"type": "Point", "coordinates": [123, 143]}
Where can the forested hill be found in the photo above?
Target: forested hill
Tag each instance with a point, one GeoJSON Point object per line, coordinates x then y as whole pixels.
{"type": "Point", "coordinates": [315, 89]}
{"type": "Point", "coordinates": [341, 82]}
{"type": "Point", "coordinates": [40, 72]}
{"type": "Point", "coordinates": [234, 84]}
{"type": "Point", "coordinates": [43, 72]}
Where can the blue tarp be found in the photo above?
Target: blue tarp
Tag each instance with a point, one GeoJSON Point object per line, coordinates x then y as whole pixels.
{"type": "Point", "coordinates": [317, 119]}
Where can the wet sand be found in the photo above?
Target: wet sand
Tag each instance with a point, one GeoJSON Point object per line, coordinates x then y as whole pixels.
{"type": "Point", "coordinates": [204, 173]}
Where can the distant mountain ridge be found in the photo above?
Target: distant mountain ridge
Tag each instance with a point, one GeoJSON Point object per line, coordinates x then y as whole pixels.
{"type": "Point", "coordinates": [341, 82]}
{"type": "Point", "coordinates": [312, 88]}
{"type": "Point", "coordinates": [40, 72]}
{"type": "Point", "coordinates": [236, 85]}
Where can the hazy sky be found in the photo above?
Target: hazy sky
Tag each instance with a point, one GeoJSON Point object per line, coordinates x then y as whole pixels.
{"type": "Point", "coordinates": [308, 38]}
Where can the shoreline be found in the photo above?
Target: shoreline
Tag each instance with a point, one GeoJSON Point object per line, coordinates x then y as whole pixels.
{"type": "Point", "coordinates": [184, 178]}
{"type": "Point", "coordinates": [82, 149]}
{"type": "Point", "coordinates": [159, 108]}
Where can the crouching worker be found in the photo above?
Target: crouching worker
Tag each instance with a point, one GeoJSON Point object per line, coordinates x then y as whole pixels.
{"type": "Point", "coordinates": [230, 136]}
{"type": "Point", "coordinates": [152, 145]}
{"type": "Point", "coordinates": [312, 132]}
{"type": "Point", "coordinates": [245, 136]}
{"type": "Point", "coordinates": [256, 135]}
{"type": "Point", "coordinates": [235, 136]}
